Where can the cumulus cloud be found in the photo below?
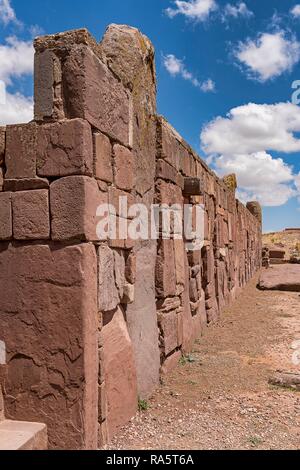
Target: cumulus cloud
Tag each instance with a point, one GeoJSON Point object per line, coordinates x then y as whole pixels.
{"type": "Point", "coordinates": [176, 67]}
{"type": "Point", "coordinates": [296, 11]}
{"type": "Point", "coordinates": [198, 10]}
{"type": "Point", "coordinates": [16, 109]}
{"type": "Point", "coordinates": [240, 144]}
{"type": "Point", "coordinates": [269, 56]}
{"type": "Point", "coordinates": [7, 13]}
{"type": "Point", "coordinates": [254, 128]}
{"type": "Point", "coordinates": [260, 177]}
{"type": "Point", "coordinates": [236, 11]}
{"type": "Point", "coordinates": [16, 59]}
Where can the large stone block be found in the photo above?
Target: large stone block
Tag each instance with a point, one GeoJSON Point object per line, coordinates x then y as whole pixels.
{"type": "Point", "coordinates": [124, 168]}
{"type": "Point", "coordinates": [73, 202]}
{"type": "Point", "coordinates": [21, 151]}
{"type": "Point", "coordinates": [142, 321]}
{"type": "Point", "coordinates": [49, 324]}
{"type": "Point", "coordinates": [108, 295]}
{"type": "Point", "coordinates": [92, 92]}
{"type": "Point", "coordinates": [5, 216]}
{"type": "Point", "coordinates": [169, 328]}
{"type": "Point", "coordinates": [120, 373]}
{"type": "Point", "coordinates": [103, 158]}
{"type": "Point", "coordinates": [31, 218]}
{"type": "Point", "coordinates": [65, 148]}
{"type": "Point", "coordinates": [165, 269]}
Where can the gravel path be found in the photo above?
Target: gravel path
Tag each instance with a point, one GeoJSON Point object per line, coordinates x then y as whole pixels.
{"type": "Point", "coordinates": [220, 398]}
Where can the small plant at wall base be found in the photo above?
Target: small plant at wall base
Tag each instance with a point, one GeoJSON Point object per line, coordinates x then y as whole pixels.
{"type": "Point", "coordinates": [143, 405]}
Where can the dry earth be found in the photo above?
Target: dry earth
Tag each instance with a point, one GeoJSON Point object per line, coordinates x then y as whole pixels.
{"type": "Point", "coordinates": [222, 399]}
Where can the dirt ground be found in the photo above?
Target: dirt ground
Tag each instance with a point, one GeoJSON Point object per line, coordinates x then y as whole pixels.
{"type": "Point", "coordinates": [219, 398]}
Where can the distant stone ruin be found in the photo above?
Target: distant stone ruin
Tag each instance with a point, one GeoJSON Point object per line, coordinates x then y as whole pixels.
{"type": "Point", "coordinates": [90, 325]}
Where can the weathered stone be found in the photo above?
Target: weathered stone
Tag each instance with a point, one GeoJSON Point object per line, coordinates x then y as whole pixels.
{"type": "Point", "coordinates": [21, 146]}
{"type": "Point", "coordinates": [171, 363]}
{"type": "Point", "coordinates": [130, 55]}
{"type": "Point", "coordinates": [230, 182]}
{"type": "Point", "coordinates": [130, 269]}
{"type": "Point", "coordinates": [165, 269]}
{"type": "Point", "coordinates": [179, 251]}
{"type": "Point", "coordinates": [73, 202]}
{"type": "Point", "coordinates": [5, 216]}
{"type": "Point", "coordinates": [124, 168]}
{"type": "Point", "coordinates": [255, 208]}
{"type": "Point", "coordinates": [31, 219]}
{"type": "Point", "coordinates": [120, 373]}
{"type": "Point", "coordinates": [49, 324]}
{"type": "Point", "coordinates": [142, 321]}
{"type": "Point", "coordinates": [169, 327]}
{"type": "Point", "coordinates": [283, 278]}
{"type": "Point", "coordinates": [103, 158]}
{"type": "Point", "coordinates": [119, 266]}
{"type": "Point", "coordinates": [93, 93]}
{"type": "Point", "coordinates": [128, 294]}
{"type": "Point", "coordinates": [108, 295]}
{"type": "Point", "coordinates": [65, 148]}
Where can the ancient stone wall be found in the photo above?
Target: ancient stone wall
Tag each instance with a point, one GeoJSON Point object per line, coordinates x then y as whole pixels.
{"type": "Point", "coordinates": [89, 324]}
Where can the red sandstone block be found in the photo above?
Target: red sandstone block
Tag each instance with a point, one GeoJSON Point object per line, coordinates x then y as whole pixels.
{"type": "Point", "coordinates": [5, 216]}
{"type": "Point", "coordinates": [130, 268]}
{"type": "Point", "coordinates": [52, 289]}
{"type": "Point", "coordinates": [21, 151]}
{"type": "Point", "coordinates": [169, 327]}
{"type": "Point", "coordinates": [31, 219]}
{"type": "Point", "coordinates": [165, 269]}
{"type": "Point", "coordinates": [124, 168]}
{"type": "Point", "coordinates": [103, 158]}
{"type": "Point", "coordinates": [73, 202]}
{"type": "Point", "coordinates": [65, 148]}
{"type": "Point", "coordinates": [108, 294]}
{"type": "Point", "coordinates": [171, 363]}
{"type": "Point", "coordinates": [25, 184]}
{"type": "Point", "coordinates": [120, 373]}
{"type": "Point", "coordinates": [169, 146]}
{"type": "Point", "coordinates": [94, 94]}
{"type": "Point", "coordinates": [1, 179]}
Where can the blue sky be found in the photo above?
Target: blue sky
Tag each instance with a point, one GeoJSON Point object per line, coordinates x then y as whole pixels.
{"type": "Point", "coordinates": [213, 57]}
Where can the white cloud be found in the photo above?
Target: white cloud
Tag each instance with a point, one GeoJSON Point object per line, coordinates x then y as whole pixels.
{"type": "Point", "coordinates": [16, 110]}
{"type": "Point", "coordinates": [296, 11]}
{"type": "Point", "coordinates": [176, 67]}
{"type": "Point", "coordinates": [240, 143]}
{"type": "Point", "coordinates": [208, 85]}
{"type": "Point", "coordinates": [260, 177]}
{"type": "Point", "coordinates": [269, 56]}
{"type": "Point", "coordinates": [194, 9]}
{"type": "Point", "coordinates": [238, 10]}
{"type": "Point", "coordinates": [16, 59]}
{"type": "Point", "coordinates": [254, 128]}
{"type": "Point", "coordinates": [7, 13]}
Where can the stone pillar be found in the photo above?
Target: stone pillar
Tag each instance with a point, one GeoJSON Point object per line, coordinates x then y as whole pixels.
{"type": "Point", "coordinates": [130, 56]}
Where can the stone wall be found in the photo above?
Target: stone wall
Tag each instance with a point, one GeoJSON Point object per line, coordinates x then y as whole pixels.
{"type": "Point", "coordinates": [90, 325]}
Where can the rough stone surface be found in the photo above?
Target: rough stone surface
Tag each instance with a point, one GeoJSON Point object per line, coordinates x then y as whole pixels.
{"type": "Point", "coordinates": [142, 321]}
{"type": "Point", "coordinates": [108, 295]}
{"type": "Point", "coordinates": [103, 158]}
{"type": "Point", "coordinates": [31, 219]}
{"type": "Point", "coordinates": [65, 148]}
{"type": "Point", "coordinates": [49, 324]}
{"type": "Point", "coordinates": [283, 278]}
{"type": "Point", "coordinates": [124, 168]}
{"type": "Point", "coordinates": [25, 184]}
{"type": "Point", "coordinates": [73, 202]}
{"type": "Point", "coordinates": [20, 155]}
{"type": "Point", "coordinates": [5, 216]}
{"type": "Point", "coordinates": [120, 373]}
